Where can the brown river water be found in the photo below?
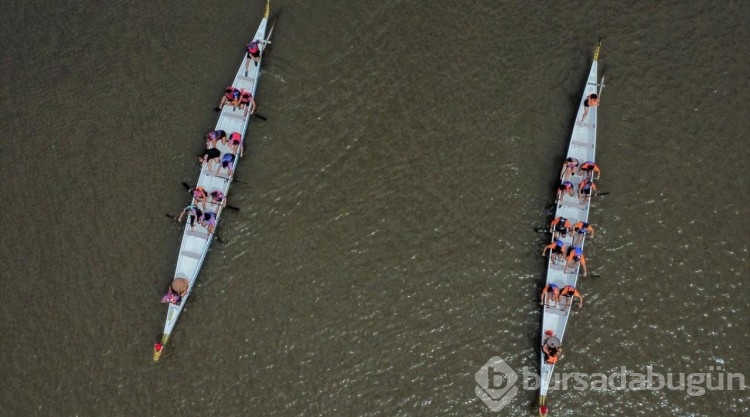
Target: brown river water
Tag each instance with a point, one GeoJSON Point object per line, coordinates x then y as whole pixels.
{"type": "Point", "coordinates": [385, 249]}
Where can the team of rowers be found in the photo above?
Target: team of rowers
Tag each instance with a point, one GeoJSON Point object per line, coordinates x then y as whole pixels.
{"type": "Point", "coordinates": [206, 205]}
{"type": "Point", "coordinates": [571, 255]}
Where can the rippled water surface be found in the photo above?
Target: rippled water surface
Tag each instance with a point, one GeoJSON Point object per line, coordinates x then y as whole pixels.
{"type": "Point", "coordinates": [386, 247]}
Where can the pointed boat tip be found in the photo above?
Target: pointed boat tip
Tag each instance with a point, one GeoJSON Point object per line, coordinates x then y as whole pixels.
{"type": "Point", "coordinates": [596, 50]}
{"type": "Point", "coordinates": [158, 349]}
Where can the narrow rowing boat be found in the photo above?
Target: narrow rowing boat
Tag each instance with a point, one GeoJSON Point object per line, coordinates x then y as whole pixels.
{"type": "Point", "coordinates": [582, 147]}
{"type": "Point", "coordinates": [196, 240]}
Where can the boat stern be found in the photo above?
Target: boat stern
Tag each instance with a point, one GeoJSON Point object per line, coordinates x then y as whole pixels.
{"type": "Point", "coordinates": [159, 347]}
{"type": "Point", "coordinates": [543, 410]}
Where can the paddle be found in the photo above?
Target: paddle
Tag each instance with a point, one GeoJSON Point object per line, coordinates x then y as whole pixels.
{"type": "Point", "coordinates": [601, 194]}
{"type": "Point", "coordinates": [540, 230]}
{"type": "Point", "coordinates": [260, 116]}
{"type": "Point", "coordinates": [188, 188]}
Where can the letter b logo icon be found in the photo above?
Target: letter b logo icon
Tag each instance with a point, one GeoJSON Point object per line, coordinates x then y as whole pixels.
{"type": "Point", "coordinates": [496, 383]}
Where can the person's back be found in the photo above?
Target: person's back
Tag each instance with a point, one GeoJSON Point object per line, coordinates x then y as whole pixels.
{"type": "Point", "coordinates": [568, 293]}
{"type": "Point", "coordinates": [591, 101]}
{"type": "Point", "coordinates": [568, 168]}
{"type": "Point", "coordinates": [550, 292]}
{"type": "Point", "coordinates": [585, 188]}
{"type": "Point", "coordinates": [574, 258]}
{"type": "Point", "coordinates": [565, 187]}
{"type": "Point", "coordinates": [555, 249]}
{"type": "Point", "coordinates": [231, 96]}
{"type": "Point", "coordinates": [253, 54]}
{"type": "Point", "coordinates": [560, 226]}
{"type": "Point", "coordinates": [582, 230]}
{"type": "Point", "coordinates": [589, 168]}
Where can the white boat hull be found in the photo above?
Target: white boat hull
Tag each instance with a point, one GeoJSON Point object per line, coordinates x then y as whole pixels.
{"type": "Point", "coordinates": [582, 147]}
{"type": "Point", "coordinates": [196, 241]}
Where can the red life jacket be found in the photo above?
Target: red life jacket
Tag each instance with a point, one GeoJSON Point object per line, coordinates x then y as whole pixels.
{"type": "Point", "coordinates": [252, 48]}
{"type": "Point", "coordinates": [246, 97]}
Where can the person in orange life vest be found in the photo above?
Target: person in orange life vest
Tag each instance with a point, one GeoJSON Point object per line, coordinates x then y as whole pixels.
{"type": "Point", "coordinates": [565, 187]}
{"type": "Point", "coordinates": [591, 101]}
{"type": "Point", "coordinates": [247, 102]}
{"type": "Point", "coordinates": [555, 249]}
{"type": "Point", "coordinates": [231, 96]}
{"type": "Point", "coordinates": [568, 292]}
{"type": "Point", "coordinates": [559, 227]}
{"type": "Point", "coordinates": [253, 54]}
{"type": "Point", "coordinates": [590, 168]}
{"type": "Point", "coordinates": [551, 347]}
{"type": "Point", "coordinates": [585, 188]}
{"type": "Point", "coordinates": [199, 196]}
{"type": "Point", "coordinates": [550, 292]}
{"type": "Point", "coordinates": [574, 258]}
{"type": "Point", "coordinates": [236, 143]}
{"type": "Point", "coordinates": [568, 168]}
{"type": "Point", "coordinates": [581, 230]}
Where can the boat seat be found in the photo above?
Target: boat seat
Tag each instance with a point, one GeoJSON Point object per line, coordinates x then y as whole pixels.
{"type": "Point", "coordinates": [578, 206]}
{"type": "Point", "coordinates": [240, 116]}
{"type": "Point", "coordinates": [197, 234]}
{"type": "Point", "coordinates": [222, 176]}
{"type": "Point", "coordinates": [251, 80]}
{"type": "Point", "coordinates": [555, 310]}
{"type": "Point", "coordinates": [191, 254]}
{"type": "Point", "coordinates": [581, 143]}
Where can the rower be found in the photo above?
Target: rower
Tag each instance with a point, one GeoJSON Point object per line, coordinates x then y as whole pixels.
{"type": "Point", "coordinates": [199, 196]}
{"type": "Point", "coordinates": [575, 257]}
{"type": "Point", "coordinates": [555, 250]}
{"type": "Point", "coordinates": [214, 136]}
{"type": "Point", "coordinates": [552, 354]}
{"type": "Point", "coordinates": [568, 292]}
{"type": "Point", "coordinates": [582, 229]}
{"type": "Point", "coordinates": [551, 347]}
{"type": "Point", "coordinates": [253, 54]}
{"type": "Point", "coordinates": [568, 168]}
{"type": "Point", "coordinates": [177, 290]}
{"type": "Point", "coordinates": [584, 190]}
{"type": "Point", "coordinates": [192, 212]}
{"type": "Point", "coordinates": [591, 101]}
{"type": "Point", "coordinates": [235, 143]}
{"type": "Point", "coordinates": [247, 102]}
{"type": "Point", "coordinates": [231, 96]}
{"type": "Point", "coordinates": [590, 168]}
{"type": "Point", "coordinates": [227, 161]}
{"type": "Point", "coordinates": [209, 221]}
{"type": "Point", "coordinates": [559, 227]}
{"type": "Point", "coordinates": [565, 187]}
{"type": "Point", "coordinates": [550, 292]}
{"type": "Point", "coordinates": [217, 197]}
{"type": "Point", "coordinates": [210, 156]}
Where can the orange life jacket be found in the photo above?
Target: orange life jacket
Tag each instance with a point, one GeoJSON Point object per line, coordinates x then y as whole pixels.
{"type": "Point", "coordinates": [569, 290]}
